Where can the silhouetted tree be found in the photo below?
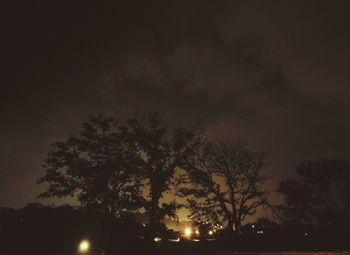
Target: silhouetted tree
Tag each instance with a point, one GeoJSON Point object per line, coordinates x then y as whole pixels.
{"type": "Point", "coordinates": [319, 196]}
{"type": "Point", "coordinates": [95, 167]}
{"type": "Point", "coordinates": [161, 151]}
{"type": "Point", "coordinates": [226, 182]}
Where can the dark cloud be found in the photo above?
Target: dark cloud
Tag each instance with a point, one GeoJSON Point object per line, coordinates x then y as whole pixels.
{"type": "Point", "coordinates": [273, 72]}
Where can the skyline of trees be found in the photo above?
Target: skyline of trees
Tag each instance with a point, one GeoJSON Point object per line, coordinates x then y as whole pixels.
{"type": "Point", "coordinates": [123, 168]}
{"type": "Point", "coordinates": [119, 173]}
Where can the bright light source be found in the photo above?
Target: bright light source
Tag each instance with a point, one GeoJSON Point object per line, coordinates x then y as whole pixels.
{"type": "Point", "coordinates": [197, 232]}
{"type": "Point", "coordinates": [188, 232]}
{"type": "Point", "coordinates": [210, 232]}
{"type": "Point", "coordinates": [84, 246]}
{"type": "Point", "coordinates": [157, 239]}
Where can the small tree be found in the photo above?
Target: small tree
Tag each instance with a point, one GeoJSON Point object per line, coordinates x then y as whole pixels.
{"type": "Point", "coordinates": [96, 167]}
{"type": "Point", "coordinates": [226, 183]}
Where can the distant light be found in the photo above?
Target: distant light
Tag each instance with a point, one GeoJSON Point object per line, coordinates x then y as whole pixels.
{"type": "Point", "coordinates": [188, 232]}
{"type": "Point", "coordinates": [253, 226]}
{"type": "Point", "coordinates": [260, 232]}
{"type": "Point", "coordinates": [306, 234]}
{"type": "Point", "coordinates": [157, 239]}
{"type": "Point", "coordinates": [210, 232]}
{"type": "Point", "coordinates": [197, 232]}
{"type": "Point", "coordinates": [84, 246]}
{"type": "Point", "coordinates": [174, 240]}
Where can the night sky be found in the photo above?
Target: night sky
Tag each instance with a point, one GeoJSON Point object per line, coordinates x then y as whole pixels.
{"type": "Point", "coordinates": [275, 73]}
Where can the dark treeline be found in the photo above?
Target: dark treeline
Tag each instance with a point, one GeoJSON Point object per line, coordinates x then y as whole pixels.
{"type": "Point", "coordinates": [39, 229]}
{"type": "Point", "coordinates": [117, 171]}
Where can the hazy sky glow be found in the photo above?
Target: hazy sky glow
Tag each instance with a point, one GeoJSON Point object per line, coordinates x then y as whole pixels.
{"type": "Point", "coordinates": [272, 72]}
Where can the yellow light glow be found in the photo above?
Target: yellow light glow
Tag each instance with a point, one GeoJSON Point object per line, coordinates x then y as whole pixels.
{"type": "Point", "coordinates": [210, 232]}
{"type": "Point", "coordinates": [157, 239]}
{"type": "Point", "coordinates": [188, 232]}
{"type": "Point", "coordinates": [197, 232]}
{"type": "Point", "coordinates": [84, 246]}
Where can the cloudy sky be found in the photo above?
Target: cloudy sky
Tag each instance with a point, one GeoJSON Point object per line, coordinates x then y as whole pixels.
{"type": "Point", "coordinates": [275, 73]}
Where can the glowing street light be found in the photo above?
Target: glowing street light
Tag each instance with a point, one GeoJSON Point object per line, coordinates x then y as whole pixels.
{"type": "Point", "coordinates": [188, 232]}
{"type": "Point", "coordinates": [157, 239]}
{"type": "Point", "coordinates": [84, 246]}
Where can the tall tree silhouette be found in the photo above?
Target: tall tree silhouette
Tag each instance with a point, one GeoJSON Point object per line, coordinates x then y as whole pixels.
{"type": "Point", "coordinates": [226, 183]}
{"type": "Point", "coordinates": [319, 195]}
{"type": "Point", "coordinates": [161, 152]}
{"type": "Point", "coordinates": [96, 167]}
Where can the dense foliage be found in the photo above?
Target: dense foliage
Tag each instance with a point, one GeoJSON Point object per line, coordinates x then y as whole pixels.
{"type": "Point", "coordinates": [319, 196]}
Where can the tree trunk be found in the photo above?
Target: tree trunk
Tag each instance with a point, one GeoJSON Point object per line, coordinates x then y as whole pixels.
{"type": "Point", "coordinates": [229, 227]}
{"type": "Point", "coordinates": [237, 227]}
{"type": "Point", "coordinates": [154, 220]}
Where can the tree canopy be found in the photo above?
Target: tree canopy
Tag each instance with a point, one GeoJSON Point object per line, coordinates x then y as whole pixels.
{"type": "Point", "coordinates": [319, 195]}
{"type": "Point", "coordinates": [110, 166]}
{"type": "Point", "coordinates": [226, 183]}
{"type": "Point", "coordinates": [161, 152]}
{"type": "Point", "coordinates": [97, 167]}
